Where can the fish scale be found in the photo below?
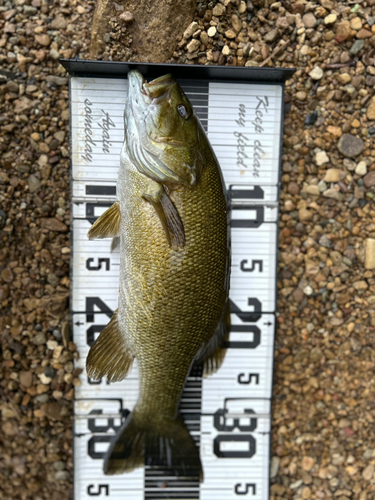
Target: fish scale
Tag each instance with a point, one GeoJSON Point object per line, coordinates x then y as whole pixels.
{"type": "Point", "coordinates": [189, 280]}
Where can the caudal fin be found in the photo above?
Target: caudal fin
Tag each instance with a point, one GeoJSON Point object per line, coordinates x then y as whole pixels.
{"type": "Point", "coordinates": [166, 445]}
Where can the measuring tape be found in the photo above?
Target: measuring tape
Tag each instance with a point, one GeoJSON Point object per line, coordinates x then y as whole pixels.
{"type": "Point", "coordinates": [228, 413]}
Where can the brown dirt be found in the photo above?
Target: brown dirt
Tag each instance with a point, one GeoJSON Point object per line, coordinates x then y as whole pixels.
{"type": "Point", "coordinates": [324, 410]}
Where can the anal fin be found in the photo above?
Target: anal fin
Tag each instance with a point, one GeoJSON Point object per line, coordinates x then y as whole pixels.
{"type": "Point", "coordinates": [108, 224]}
{"type": "Point", "coordinates": [169, 217]}
{"type": "Point", "coordinates": [109, 355]}
{"type": "Point", "coordinates": [213, 353]}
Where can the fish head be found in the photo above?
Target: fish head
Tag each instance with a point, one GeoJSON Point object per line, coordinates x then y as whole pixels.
{"type": "Point", "coordinates": [164, 137]}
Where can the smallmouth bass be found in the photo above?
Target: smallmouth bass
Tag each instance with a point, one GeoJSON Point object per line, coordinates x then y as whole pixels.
{"type": "Point", "coordinates": [172, 219]}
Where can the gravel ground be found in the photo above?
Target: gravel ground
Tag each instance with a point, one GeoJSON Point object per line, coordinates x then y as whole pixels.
{"type": "Point", "coordinates": [324, 408]}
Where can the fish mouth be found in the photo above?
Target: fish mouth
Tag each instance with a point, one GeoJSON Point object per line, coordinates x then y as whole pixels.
{"type": "Point", "coordinates": [143, 93]}
{"type": "Point", "coordinates": [136, 80]}
{"type": "Point", "coordinates": [154, 91]}
{"type": "Point", "coordinates": [158, 88]}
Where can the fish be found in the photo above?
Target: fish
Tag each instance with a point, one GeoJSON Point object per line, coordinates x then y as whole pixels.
{"type": "Point", "coordinates": [171, 216]}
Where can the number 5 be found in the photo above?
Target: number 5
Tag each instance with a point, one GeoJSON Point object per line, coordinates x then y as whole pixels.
{"type": "Point", "coordinates": [253, 264]}
{"type": "Point", "coordinates": [101, 488]}
{"type": "Point", "coordinates": [248, 486]}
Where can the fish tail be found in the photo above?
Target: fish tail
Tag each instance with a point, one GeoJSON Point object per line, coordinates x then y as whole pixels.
{"type": "Point", "coordinates": [126, 451]}
{"type": "Point", "coordinates": [167, 445]}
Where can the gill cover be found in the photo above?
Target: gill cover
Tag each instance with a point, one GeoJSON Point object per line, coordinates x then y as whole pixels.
{"type": "Point", "coordinates": [164, 138]}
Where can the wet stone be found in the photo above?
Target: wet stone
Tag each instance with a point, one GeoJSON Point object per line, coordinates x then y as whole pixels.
{"type": "Point", "coordinates": [126, 17]}
{"type": "Point", "coordinates": [363, 33]}
{"type": "Point", "coordinates": [321, 158]}
{"type": "Point", "coordinates": [26, 378]}
{"type": "Point", "coordinates": [193, 45]}
{"type": "Point", "coordinates": [57, 80]}
{"type": "Point", "coordinates": [357, 47]}
{"type": "Point", "coordinates": [59, 23]}
{"type": "Point", "coordinates": [316, 73]}
{"type": "Point", "coordinates": [190, 30]}
{"type": "Point", "coordinates": [311, 118]}
{"type": "Point", "coordinates": [3, 218]}
{"type": "Point", "coordinates": [53, 224]}
{"type": "Point", "coordinates": [350, 146]}
{"type": "Point", "coordinates": [371, 109]}
{"type": "Point", "coordinates": [370, 253]}
{"type": "Point", "coordinates": [4, 292]}
{"type": "Point", "coordinates": [7, 275]}
{"type": "Point", "coordinates": [34, 183]}
{"type": "Point", "coordinates": [62, 475]}
{"type": "Point", "coordinates": [316, 354]}
{"type": "Point", "coordinates": [57, 334]}
{"type": "Point", "coordinates": [324, 241]}
{"type": "Point", "coordinates": [368, 472]}
{"type": "Point", "coordinates": [301, 95]}
{"type": "Point", "coordinates": [356, 23]}
{"type": "Point", "coordinates": [39, 339]}
{"type": "Point", "coordinates": [218, 10]}
{"type": "Point", "coordinates": [307, 463]}
{"type": "Point", "coordinates": [369, 179]}
{"type": "Point", "coordinates": [275, 463]}
{"type": "Point", "coordinates": [9, 428]}
{"type": "Point", "coordinates": [271, 36]}
{"type": "Point", "coordinates": [332, 175]}
{"type": "Point", "coordinates": [52, 410]}
{"type": "Point", "coordinates": [49, 372]}
{"type": "Point", "coordinates": [59, 465]}
{"type": "Point", "coordinates": [330, 19]}
{"type": "Point", "coordinates": [44, 40]}
{"type": "Point", "coordinates": [65, 333]}
{"type": "Point", "coordinates": [309, 20]}
{"type": "Point", "coordinates": [344, 31]}
{"type": "Point", "coordinates": [361, 168]}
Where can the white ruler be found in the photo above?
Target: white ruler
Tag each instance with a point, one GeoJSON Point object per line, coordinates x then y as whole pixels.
{"type": "Point", "coordinates": [228, 413]}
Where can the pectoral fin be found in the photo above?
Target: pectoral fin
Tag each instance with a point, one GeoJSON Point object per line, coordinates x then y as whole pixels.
{"type": "Point", "coordinates": [108, 224]}
{"type": "Point", "coordinates": [169, 218]}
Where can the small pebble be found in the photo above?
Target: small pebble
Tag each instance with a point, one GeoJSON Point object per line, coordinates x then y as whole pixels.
{"type": "Point", "coordinates": [330, 19]}
{"type": "Point", "coordinates": [361, 168]}
{"type": "Point", "coordinates": [350, 145]}
{"type": "Point", "coordinates": [357, 47]}
{"type": "Point", "coordinates": [311, 118]}
{"type": "Point", "coordinates": [321, 158]}
{"type": "Point", "coordinates": [316, 73]}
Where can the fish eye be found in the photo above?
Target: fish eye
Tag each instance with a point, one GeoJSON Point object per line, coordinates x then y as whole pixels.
{"type": "Point", "coordinates": [183, 111]}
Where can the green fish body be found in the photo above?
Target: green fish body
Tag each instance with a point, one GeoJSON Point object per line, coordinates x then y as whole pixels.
{"type": "Point", "coordinates": [171, 217]}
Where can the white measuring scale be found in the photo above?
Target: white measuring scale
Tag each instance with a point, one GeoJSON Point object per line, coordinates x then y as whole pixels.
{"type": "Point", "coordinates": [228, 413]}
